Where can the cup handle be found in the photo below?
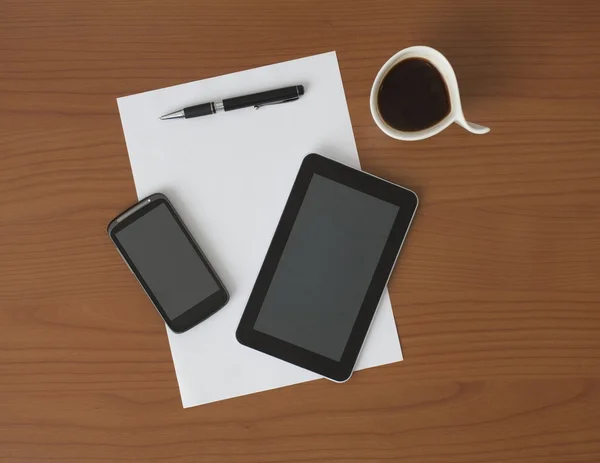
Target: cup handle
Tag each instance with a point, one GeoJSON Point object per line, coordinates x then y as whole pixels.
{"type": "Point", "coordinates": [472, 127]}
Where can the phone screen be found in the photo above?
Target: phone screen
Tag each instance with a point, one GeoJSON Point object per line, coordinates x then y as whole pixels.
{"type": "Point", "coordinates": [167, 261]}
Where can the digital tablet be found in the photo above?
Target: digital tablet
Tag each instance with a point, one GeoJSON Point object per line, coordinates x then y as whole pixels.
{"type": "Point", "coordinates": [326, 268]}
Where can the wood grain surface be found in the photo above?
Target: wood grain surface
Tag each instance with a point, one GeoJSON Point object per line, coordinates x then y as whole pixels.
{"type": "Point", "coordinates": [496, 295]}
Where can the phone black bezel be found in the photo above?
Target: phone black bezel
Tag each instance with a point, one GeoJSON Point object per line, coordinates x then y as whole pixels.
{"type": "Point", "coordinates": [407, 202]}
{"type": "Point", "coordinates": [198, 312]}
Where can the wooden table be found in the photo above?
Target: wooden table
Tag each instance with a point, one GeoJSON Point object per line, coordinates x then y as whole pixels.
{"type": "Point", "coordinates": [496, 295]}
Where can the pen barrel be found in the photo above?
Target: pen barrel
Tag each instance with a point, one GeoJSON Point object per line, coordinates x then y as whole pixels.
{"type": "Point", "coordinates": [203, 109]}
{"type": "Point", "coordinates": [263, 98]}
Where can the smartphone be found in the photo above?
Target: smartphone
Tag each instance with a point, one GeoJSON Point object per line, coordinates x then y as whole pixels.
{"type": "Point", "coordinates": [168, 263]}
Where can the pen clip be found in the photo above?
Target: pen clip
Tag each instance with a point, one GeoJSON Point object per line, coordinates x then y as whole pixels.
{"type": "Point", "coordinates": [258, 106]}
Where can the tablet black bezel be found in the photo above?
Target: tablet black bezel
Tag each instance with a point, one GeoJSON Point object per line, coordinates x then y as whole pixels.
{"type": "Point", "coordinates": [405, 199]}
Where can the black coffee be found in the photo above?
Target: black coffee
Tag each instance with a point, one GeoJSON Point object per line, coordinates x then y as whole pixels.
{"type": "Point", "coordinates": [413, 96]}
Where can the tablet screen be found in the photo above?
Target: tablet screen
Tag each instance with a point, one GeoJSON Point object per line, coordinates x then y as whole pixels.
{"type": "Point", "coordinates": [326, 267]}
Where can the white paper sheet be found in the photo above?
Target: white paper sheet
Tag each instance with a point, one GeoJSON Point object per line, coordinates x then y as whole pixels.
{"type": "Point", "coordinates": [229, 175]}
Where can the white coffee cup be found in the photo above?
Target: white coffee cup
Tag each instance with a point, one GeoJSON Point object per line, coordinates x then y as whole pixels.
{"type": "Point", "coordinates": [445, 69]}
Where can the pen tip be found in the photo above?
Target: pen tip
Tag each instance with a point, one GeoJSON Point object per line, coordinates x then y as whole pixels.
{"type": "Point", "coordinates": [174, 115]}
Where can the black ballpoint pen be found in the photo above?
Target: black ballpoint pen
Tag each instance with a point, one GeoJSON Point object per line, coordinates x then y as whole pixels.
{"type": "Point", "coordinates": [270, 97]}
